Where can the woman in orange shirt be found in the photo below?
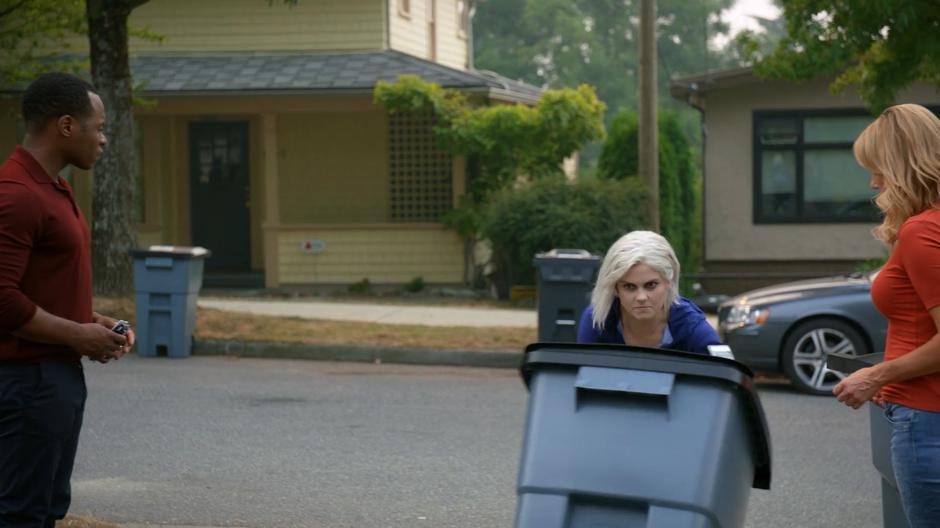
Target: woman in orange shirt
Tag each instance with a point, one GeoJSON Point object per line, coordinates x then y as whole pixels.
{"type": "Point", "coordinates": [902, 150]}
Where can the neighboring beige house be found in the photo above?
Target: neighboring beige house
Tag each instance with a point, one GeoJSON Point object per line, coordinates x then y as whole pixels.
{"type": "Point", "coordinates": [783, 195]}
{"type": "Point", "coordinates": [265, 146]}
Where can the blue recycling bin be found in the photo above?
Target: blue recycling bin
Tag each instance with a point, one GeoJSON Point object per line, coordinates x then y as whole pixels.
{"type": "Point", "coordinates": [167, 280]}
{"type": "Point", "coordinates": [634, 437]}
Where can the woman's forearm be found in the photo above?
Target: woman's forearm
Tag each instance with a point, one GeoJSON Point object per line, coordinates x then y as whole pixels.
{"type": "Point", "coordinates": [921, 361]}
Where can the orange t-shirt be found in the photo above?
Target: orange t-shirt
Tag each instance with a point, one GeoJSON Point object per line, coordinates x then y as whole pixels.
{"type": "Point", "coordinates": [905, 289]}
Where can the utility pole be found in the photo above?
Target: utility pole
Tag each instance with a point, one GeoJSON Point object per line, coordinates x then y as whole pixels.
{"type": "Point", "coordinates": [648, 133]}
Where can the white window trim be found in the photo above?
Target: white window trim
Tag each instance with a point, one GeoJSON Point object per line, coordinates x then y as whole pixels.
{"type": "Point", "coordinates": [404, 12]}
{"type": "Point", "coordinates": [461, 32]}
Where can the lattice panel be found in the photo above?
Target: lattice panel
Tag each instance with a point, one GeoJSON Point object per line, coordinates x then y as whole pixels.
{"type": "Point", "coordinates": [421, 183]}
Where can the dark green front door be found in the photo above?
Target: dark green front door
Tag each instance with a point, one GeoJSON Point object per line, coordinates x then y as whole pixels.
{"type": "Point", "coordinates": [218, 169]}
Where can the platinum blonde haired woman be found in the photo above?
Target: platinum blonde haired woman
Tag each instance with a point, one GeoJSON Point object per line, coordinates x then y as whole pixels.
{"type": "Point", "coordinates": [901, 149]}
{"type": "Point", "coordinates": [636, 300]}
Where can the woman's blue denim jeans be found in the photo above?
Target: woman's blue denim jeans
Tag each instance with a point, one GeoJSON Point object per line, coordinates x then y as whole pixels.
{"type": "Point", "coordinates": [915, 453]}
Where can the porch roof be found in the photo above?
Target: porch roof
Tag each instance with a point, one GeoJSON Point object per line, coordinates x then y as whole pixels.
{"type": "Point", "coordinates": [692, 88]}
{"type": "Point", "coordinates": [236, 74]}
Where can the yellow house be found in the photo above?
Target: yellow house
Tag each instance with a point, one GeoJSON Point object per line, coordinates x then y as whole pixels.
{"type": "Point", "coordinates": [265, 146]}
{"type": "Point", "coordinates": [784, 198]}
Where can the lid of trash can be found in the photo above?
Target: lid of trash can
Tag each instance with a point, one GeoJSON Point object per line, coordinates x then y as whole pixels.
{"type": "Point", "coordinates": [848, 364]}
{"type": "Point", "coordinates": [555, 254]}
{"type": "Point", "coordinates": [566, 253]}
{"type": "Point", "coordinates": [182, 252]}
{"type": "Point", "coordinates": [670, 361]}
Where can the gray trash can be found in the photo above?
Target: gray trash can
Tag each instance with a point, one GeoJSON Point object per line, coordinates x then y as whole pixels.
{"type": "Point", "coordinates": [633, 437]}
{"type": "Point", "coordinates": [565, 278]}
{"type": "Point", "coordinates": [892, 511]}
{"type": "Point", "coordinates": [167, 280]}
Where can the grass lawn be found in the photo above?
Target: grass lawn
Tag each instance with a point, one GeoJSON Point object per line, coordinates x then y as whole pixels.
{"type": "Point", "coordinates": [216, 324]}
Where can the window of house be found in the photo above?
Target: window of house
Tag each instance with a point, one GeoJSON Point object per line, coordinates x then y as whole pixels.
{"type": "Point", "coordinates": [404, 8]}
{"type": "Point", "coordinates": [804, 169]}
{"type": "Point", "coordinates": [420, 175]}
{"type": "Point", "coordinates": [463, 18]}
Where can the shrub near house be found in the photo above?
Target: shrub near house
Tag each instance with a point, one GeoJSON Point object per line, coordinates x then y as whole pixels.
{"type": "Point", "coordinates": [555, 213]}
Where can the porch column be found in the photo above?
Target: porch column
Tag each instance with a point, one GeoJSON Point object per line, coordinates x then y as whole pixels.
{"type": "Point", "coordinates": [272, 208]}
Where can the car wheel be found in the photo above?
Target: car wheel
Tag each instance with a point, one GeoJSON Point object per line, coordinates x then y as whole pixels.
{"type": "Point", "coordinates": [806, 350]}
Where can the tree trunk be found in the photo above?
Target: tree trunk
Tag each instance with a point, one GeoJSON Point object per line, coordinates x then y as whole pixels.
{"type": "Point", "coordinates": [114, 228]}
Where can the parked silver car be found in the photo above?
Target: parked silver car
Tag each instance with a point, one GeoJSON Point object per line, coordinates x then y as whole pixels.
{"type": "Point", "coordinates": [793, 327]}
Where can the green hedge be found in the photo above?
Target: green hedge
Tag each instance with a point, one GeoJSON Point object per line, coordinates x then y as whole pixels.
{"type": "Point", "coordinates": [554, 213]}
{"type": "Point", "coordinates": [679, 180]}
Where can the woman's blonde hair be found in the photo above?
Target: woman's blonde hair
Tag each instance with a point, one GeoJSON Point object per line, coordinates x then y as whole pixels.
{"type": "Point", "coordinates": [903, 145]}
{"type": "Point", "coordinates": [633, 248]}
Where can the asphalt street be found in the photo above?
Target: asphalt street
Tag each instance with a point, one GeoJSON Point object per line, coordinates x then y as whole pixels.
{"type": "Point", "coordinates": [208, 441]}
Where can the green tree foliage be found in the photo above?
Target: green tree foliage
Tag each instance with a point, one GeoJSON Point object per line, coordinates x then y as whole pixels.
{"type": "Point", "coordinates": [505, 145]}
{"type": "Point", "coordinates": [620, 156]}
{"type": "Point", "coordinates": [411, 93]}
{"type": "Point", "coordinates": [35, 35]}
{"type": "Point", "coordinates": [505, 141]}
{"type": "Point", "coordinates": [558, 43]}
{"type": "Point", "coordinates": [555, 213]}
{"type": "Point", "coordinates": [877, 46]}
{"type": "Point", "coordinates": [679, 180]}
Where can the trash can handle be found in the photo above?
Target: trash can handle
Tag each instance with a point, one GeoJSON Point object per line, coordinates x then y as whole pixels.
{"type": "Point", "coordinates": [158, 262]}
{"type": "Point", "coordinates": [625, 380]}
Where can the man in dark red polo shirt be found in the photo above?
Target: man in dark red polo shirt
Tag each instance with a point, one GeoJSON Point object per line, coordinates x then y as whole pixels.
{"type": "Point", "coordinates": [46, 320]}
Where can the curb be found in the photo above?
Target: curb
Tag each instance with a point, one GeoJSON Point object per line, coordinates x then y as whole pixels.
{"type": "Point", "coordinates": [406, 356]}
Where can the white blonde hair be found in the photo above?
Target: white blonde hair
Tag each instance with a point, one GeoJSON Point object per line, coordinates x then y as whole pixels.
{"type": "Point", "coordinates": [634, 248]}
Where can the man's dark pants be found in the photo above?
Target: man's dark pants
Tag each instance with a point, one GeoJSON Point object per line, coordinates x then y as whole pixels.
{"type": "Point", "coordinates": [41, 409]}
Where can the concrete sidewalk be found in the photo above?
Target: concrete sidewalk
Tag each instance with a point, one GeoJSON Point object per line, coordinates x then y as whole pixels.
{"type": "Point", "coordinates": [397, 314]}
{"type": "Point", "coordinates": [402, 314]}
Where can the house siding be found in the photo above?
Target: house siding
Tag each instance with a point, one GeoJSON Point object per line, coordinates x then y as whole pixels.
{"type": "Point", "coordinates": [326, 160]}
{"type": "Point", "coordinates": [731, 234]}
{"type": "Point", "coordinates": [157, 161]}
{"type": "Point", "coordinates": [381, 254]}
{"type": "Point", "coordinates": [409, 34]}
{"type": "Point", "coordinates": [255, 26]}
{"type": "Point", "coordinates": [333, 167]}
{"type": "Point", "coordinates": [451, 47]}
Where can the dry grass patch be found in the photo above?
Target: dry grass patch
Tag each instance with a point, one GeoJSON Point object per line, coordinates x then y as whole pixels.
{"type": "Point", "coordinates": [119, 308]}
{"type": "Point", "coordinates": [217, 324]}
{"type": "Point", "coordinates": [77, 521]}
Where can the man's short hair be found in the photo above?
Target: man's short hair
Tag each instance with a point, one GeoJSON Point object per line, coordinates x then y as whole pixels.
{"type": "Point", "coordinates": [53, 95]}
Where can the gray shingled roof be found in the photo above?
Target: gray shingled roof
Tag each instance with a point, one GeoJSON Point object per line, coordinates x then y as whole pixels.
{"type": "Point", "coordinates": [305, 73]}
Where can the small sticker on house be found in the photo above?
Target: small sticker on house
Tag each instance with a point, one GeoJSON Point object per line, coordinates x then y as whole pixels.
{"type": "Point", "coordinates": [313, 246]}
